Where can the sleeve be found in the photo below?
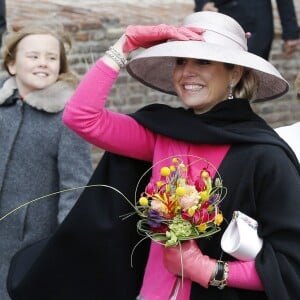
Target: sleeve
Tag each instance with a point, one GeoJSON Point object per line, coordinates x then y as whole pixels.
{"type": "Point", "coordinates": [243, 275]}
{"type": "Point", "coordinates": [74, 167]}
{"type": "Point", "coordinates": [85, 113]}
{"type": "Point", "coordinates": [288, 19]}
{"type": "Point", "coordinates": [278, 206]}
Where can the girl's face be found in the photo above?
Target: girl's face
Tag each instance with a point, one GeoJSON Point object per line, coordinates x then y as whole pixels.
{"type": "Point", "coordinates": [37, 63]}
{"type": "Point", "coordinates": [201, 84]}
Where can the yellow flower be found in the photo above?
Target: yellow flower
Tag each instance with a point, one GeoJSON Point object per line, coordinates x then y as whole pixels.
{"type": "Point", "coordinates": [168, 188]}
{"type": "Point", "coordinates": [204, 195]}
{"type": "Point", "coordinates": [191, 210]}
{"type": "Point", "coordinates": [180, 191]}
{"type": "Point", "coordinates": [143, 201]}
{"type": "Point", "coordinates": [218, 219]}
{"type": "Point", "coordinates": [165, 171]}
{"type": "Point", "coordinates": [172, 168]}
{"type": "Point", "coordinates": [175, 160]}
{"type": "Point", "coordinates": [210, 208]}
{"type": "Point", "coordinates": [204, 174]}
{"type": "Point", "coordinates": [177, 208]}
{"type": "Point", "coordinates": [202, 227]}
{"type": "Point", "coordinates": [159, 184]}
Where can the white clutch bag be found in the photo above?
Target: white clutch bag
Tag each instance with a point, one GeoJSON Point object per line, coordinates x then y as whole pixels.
{"type": "Point", "coordinates": [240, 238]}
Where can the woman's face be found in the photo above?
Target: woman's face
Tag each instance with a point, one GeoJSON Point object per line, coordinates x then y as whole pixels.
{"type": "Point", "coordinates": [201, 84]}
{"type": "Point", "coordinates": [37, 63]}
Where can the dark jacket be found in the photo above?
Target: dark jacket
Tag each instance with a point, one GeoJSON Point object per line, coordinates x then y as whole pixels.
{"type": "Point", "coordinates": [89, 256]}
{"type": "Point", "coordinates": [256, 16]}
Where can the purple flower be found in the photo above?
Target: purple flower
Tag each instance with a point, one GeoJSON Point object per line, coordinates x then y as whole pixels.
{"type": "Point", "coordinates": [213, 198]}
{"type": "Point", "coordinates": [154, 219]}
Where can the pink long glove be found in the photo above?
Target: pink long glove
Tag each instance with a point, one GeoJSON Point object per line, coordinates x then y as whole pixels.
{"type": "Point", "coordinates": [196, 266]}
{"type": "Point", "coordinates": [146, 36]}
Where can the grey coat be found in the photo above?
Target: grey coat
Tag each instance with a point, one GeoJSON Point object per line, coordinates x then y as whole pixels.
{"type": "Point", "coordinates": [39, 156]}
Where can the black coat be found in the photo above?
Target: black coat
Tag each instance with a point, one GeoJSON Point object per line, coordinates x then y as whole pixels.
{"type": "Point", "coordinates": [256, 16]}
{"type": "Point", "coordinates": [89, 255]}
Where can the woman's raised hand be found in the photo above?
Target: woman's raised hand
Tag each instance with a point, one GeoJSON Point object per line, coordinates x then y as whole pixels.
{"type": "Point", "coordinates": [146, 36]}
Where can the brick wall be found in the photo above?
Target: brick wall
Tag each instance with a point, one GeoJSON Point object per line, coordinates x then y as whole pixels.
{"type": "Point", "coordinates": [96, 24]}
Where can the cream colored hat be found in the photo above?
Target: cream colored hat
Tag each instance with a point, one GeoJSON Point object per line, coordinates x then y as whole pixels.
{"type": "Point", "coordinates": [224, 41]}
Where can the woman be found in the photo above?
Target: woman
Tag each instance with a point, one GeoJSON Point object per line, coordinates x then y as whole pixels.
{"type": "Point", "coordinates": [37, 156]}
{"type": "Point", "coordinates": [205, 62]}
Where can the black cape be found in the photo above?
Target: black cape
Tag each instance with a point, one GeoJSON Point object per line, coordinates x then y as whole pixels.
{"type": "Point", "coordinates": [89, 255]}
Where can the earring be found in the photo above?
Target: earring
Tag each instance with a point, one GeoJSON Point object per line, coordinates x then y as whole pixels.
{"type": "Point", "coordinates": [230, 95]}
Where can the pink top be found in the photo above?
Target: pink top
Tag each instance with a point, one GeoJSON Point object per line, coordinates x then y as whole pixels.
{"type": "Point", "coordinates": [86, 114]}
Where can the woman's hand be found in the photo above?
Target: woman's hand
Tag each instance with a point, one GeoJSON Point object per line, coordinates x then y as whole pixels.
{"type": "Point", "coordinates": [146, 36]}
{"type": "Point", "coordinates": [189, 262]}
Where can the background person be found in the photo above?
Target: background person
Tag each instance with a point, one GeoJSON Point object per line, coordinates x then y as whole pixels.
{"type": "Point", "coordinates": [256, 17]}
{"type": "Point", "coordinates": [39, 155]}
{"type": "Point", "coordinates": [2, 19]}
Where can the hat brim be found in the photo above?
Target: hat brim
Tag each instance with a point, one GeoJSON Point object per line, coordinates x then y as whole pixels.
{"type": "Point", "coordinates": [154, 66]}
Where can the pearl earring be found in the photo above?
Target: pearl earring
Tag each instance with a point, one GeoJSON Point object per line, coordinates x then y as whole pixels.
{"type": "Point", "coordinates": [230, 95]}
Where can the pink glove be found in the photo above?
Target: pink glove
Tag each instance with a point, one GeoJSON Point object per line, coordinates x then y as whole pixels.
{"type": "Point", "coordinates": [195, 265]}
{"type": "Point", "coordinates": [146, 36]}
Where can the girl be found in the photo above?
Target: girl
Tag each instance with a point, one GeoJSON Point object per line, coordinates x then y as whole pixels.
{"type": "Point", "coordinates": [39, 155]}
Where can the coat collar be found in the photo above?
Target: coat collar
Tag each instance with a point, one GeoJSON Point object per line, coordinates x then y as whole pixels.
{"type": "Point", "coordinates": [51, 99]}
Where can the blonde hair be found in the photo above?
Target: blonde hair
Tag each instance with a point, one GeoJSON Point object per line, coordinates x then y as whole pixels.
{"type": "Point", "coordinates": [11, 40]}
{"type": "Point", "coordinates": [248, 84]}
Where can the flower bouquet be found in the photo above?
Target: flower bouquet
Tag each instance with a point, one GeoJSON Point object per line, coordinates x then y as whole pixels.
{"type": "Point", "coordinates": [175, 208]}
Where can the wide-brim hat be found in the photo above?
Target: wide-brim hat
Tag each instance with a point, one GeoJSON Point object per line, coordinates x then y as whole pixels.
{"type": "Point", "coordinates": [224, 41]}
